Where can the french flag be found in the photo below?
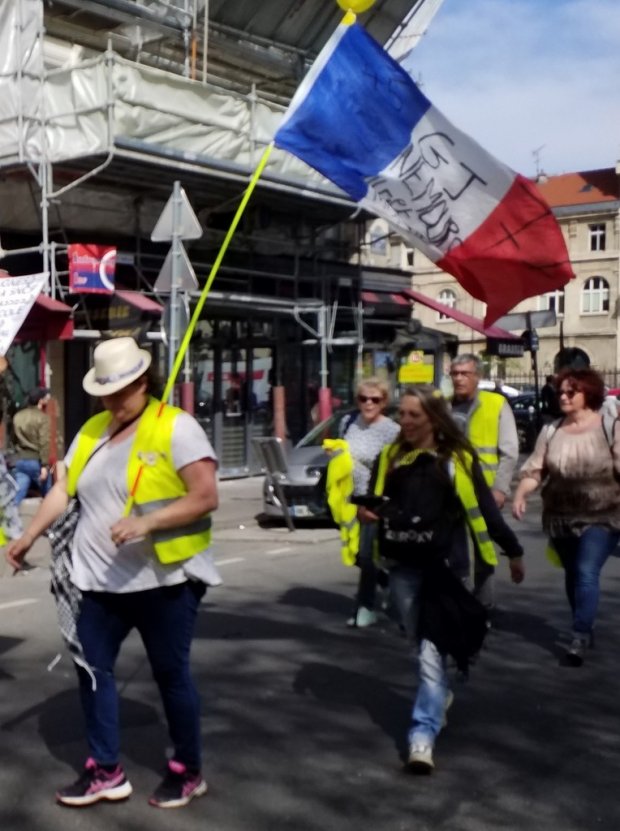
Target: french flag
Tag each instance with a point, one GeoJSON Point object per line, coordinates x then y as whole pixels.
{"type": "Point", "coordinates": [360, 120]}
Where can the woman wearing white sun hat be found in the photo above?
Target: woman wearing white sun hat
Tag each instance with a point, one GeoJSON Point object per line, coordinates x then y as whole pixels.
{"type": "Point", "coordinates": [147, 570]}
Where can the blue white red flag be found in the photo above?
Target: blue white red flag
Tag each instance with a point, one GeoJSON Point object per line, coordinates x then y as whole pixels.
{"type": "Point", "coordinates": [91, 268]}
{"type": "Point", "coordinates": [360, 120]}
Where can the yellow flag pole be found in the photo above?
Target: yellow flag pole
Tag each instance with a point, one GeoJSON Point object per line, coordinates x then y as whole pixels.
{"type": "Point", "coordinates": [200, 305]}
{"type": "Point", "coordinates": [214, 270]}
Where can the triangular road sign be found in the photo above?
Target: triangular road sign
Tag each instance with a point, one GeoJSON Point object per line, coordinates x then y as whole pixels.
{"type": "Point", "coordinates": [188, 224]}
{"type": "Point", "coordinates": [186, 277]}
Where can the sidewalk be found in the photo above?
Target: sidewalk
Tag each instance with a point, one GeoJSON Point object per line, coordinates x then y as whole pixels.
{"type": "Point", "coordinates": [234, 521]}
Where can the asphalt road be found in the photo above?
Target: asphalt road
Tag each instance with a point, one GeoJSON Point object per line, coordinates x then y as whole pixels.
{"type": "Point", "coordinates": [304, 720]}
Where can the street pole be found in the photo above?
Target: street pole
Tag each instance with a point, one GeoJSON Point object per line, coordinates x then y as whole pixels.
{"type": "Point", "coordinates": [325, 396]}
{"type": "Point", "coordinates": [173, 335]}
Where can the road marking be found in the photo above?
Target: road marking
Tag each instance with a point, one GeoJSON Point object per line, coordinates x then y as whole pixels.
{"type": "Point", "coordinates": [13, 603]}
{"type": "Point", "coordinates": [229, 561]}
{"type": "Point", "coordinates": [276, 551]}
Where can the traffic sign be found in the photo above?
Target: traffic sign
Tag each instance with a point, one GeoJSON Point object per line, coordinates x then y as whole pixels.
{"type": "Point", "coordinates": [177, 220]}
{"type": "Point", "coordinates": [505, 347]}
{"type": "Point", "coordinates": [527, 320]}
{"type": "Point", "coordinates": [185, 276]}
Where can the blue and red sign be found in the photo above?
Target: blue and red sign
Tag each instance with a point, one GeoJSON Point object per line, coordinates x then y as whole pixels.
{"type": "Point", "coordinates": [91, 268]}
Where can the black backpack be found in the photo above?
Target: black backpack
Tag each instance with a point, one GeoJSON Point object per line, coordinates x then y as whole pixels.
{"type": "Point", "coordinates": [418, 521]}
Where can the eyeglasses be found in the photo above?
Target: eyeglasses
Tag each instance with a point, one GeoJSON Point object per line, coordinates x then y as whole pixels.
{"type": "Point", "coordinates": [454, 373]}
{"type": "Point", "coordinates": [568, 393]}
{"type": "Point", "coordinates": [364, 399]}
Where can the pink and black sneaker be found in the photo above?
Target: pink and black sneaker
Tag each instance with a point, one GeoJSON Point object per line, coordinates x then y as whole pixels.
{"type": "Point", "coordinates": [178, 787]}
{"type": "Point", "coordinates": [95, 783]}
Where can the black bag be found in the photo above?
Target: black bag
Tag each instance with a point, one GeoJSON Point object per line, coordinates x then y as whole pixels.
{"type": "Point", "coordinates": [450, 616]}
{"type": "Point", "coordinates": [418, 521]}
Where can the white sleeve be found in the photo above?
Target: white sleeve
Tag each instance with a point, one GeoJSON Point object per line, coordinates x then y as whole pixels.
{"type": "Point", "coordinates": [189, 442]}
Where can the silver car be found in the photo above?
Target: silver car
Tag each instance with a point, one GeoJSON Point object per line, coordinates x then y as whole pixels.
{"type": "Point", "coordinates": [304, 464]}
{"type": "Point", "coordinates": [306, 461]}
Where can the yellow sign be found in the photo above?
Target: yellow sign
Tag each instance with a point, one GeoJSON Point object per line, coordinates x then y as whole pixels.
{"type": "Point", "coordinates": [416, 372]}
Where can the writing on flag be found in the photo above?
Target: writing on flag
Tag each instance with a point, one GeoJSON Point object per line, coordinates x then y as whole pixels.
{"type": "Point", "coordinates": [91, 268]}
{"type": "Point", "coordinates": [360, 120]}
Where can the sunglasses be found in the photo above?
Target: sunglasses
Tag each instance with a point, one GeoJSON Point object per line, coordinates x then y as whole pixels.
{"type": "Point", "coordinates": [568, 393]}
{"type": "Point", "coordinates": [364, 399]}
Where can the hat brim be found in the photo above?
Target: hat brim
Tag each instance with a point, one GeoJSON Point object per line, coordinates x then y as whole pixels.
{"type": "Point", "coordinates": [97, 389]}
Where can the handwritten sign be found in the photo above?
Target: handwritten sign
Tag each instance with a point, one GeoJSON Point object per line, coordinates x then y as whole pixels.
{"type": "Point", "coordinates": [17, 294]}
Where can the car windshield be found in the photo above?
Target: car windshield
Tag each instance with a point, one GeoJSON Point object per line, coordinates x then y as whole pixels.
{"type": "Point", "coordinates": [327, 429]}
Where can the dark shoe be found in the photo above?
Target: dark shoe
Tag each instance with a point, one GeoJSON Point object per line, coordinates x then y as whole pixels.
{"type": "Point", "coordinates": [575, 654]}
{"type": "Point", "coordinates": [178, 787]}
{"type": "Point", "coordinates": [95, 784]}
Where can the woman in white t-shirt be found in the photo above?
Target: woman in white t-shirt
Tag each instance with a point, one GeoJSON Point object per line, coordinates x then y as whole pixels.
{"type": "Point", "coordinates": [367, 433]}
{"type": "Point", "coordinates": [133, 570]}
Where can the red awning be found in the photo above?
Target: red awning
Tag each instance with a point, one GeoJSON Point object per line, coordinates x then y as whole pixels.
{"type": "Point", "coordinates": [139, 301]}
{"type": "Point", "coordinates": [468, 320]}
{"type": "Point", "coordinates": [48, 319]}
{"type": "Point", "coordinates": [389, 304]}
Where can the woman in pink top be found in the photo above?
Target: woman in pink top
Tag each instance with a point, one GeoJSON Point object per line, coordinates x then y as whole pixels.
{"type": "Point", "coordinates": [577, 461]}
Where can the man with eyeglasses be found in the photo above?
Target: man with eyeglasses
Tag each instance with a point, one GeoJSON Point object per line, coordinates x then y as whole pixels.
{"type": "Point", "coordinates": [487, 420]}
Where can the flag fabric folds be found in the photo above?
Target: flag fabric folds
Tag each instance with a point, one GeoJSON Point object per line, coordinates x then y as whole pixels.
{"type": "Point", "coordinates": [360, 120]}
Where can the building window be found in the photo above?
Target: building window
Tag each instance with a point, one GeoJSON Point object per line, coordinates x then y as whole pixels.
{"type": "Point", "coordinates": [379, 235]}
{"type": "Point", "coordinates": [597, 236]}
{"type": "Point", "coordinates": [448, 298]}
{"type": "Point", "coordinates": [552, 300]}
{"type": "Point", "coordinates": [595, 296]}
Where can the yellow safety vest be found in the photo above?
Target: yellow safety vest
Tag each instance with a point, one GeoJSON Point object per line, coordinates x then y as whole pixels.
{"type": "Point", "coordinates": [483, 432]}
{"type": "Point", "coordinates": [159, 483]}
{"type": "Point", "coordinates": [339, 489]}
{"type": "Point", "coordinates": [464, 487]}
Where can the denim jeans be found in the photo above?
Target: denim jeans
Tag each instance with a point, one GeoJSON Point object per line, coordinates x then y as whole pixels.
{"type": "Point", "coordinates": [367, 584]}
{"type": "Point", "coordinates": [583, 559]}
{"type": "Point", "coordinates": [165, 619]}
{"type": "Point", "coordinates": [428, 708]}
{"type": "Point", "coordinates": [27, 472]}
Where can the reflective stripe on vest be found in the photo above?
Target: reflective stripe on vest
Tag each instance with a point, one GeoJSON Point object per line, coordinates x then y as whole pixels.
{"type": "Point", "coordinates": [483, 432]}
{"type": "Point", "coordinates": [159, 482]}
{"type": "Point", "coordinates": [465, 491]}
{"type": "Point", "coordinates": [339, 489]}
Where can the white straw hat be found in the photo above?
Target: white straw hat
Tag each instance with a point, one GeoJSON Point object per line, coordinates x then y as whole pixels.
{"type": "Point", "coordinates": [118, 362]}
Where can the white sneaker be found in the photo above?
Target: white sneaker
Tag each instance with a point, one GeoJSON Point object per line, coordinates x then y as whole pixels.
{"type": "Point", "coordinates": [364, 617]}
{"type": "Point", "coordinates": [420, 759]}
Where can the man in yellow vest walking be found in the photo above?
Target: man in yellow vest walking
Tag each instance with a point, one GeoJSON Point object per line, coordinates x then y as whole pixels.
{"type": "Point", "coordinates": [488, 422]}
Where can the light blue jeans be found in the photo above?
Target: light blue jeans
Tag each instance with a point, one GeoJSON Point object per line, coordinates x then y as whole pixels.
{"type": "Point", "coordinates": [429, 705]}
{"type": "Point", "coordinates": [27, 473]}
{"type": "Point", "coordinates": [583, 558]}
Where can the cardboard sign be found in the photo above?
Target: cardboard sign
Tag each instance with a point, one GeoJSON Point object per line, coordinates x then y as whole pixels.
{"type": "Point", "coordinates": [17, 294]}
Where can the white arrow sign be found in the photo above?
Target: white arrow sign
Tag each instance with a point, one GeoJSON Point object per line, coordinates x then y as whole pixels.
{"type": "Point", "coordinates": [180, 215]}
{"type": "Point", "coordinates": [17, 294]}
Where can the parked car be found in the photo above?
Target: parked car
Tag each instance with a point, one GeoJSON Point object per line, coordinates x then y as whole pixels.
{"type": "Point", "coordinates": [306, 461]}
{"type": "Point", "coordinates": [524, 409]}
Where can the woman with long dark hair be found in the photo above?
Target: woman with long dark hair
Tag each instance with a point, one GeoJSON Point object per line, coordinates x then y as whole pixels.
{"type": "Point", "coordinates": [433, 496]}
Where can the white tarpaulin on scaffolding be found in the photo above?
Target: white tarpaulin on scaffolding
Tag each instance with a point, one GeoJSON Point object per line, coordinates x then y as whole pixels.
{"type": "Point", "coordinates": [108, 101]}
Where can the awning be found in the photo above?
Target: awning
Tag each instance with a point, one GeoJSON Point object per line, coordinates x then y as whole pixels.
{"type": "Point", "coordinates": [139, 301]}
{"type": "Point", "coordinates": [468, 320]}
{"type": "Point", "coordinates": [386, 304]}
{"type": "Point", "coordinates": [48, 319]}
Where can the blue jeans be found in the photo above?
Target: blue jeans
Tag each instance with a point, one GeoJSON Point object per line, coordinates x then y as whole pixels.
{"type": "Point", "coordinates": [428, 708]}
{"type": "Point", "coordinates": [367, 584]}
{"type": "Point", "coordinates": [27, 472]}
{"type": "Point", "coordinates": [165, 619]}
{"type": "Point", "coordinates": [583, 559]}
